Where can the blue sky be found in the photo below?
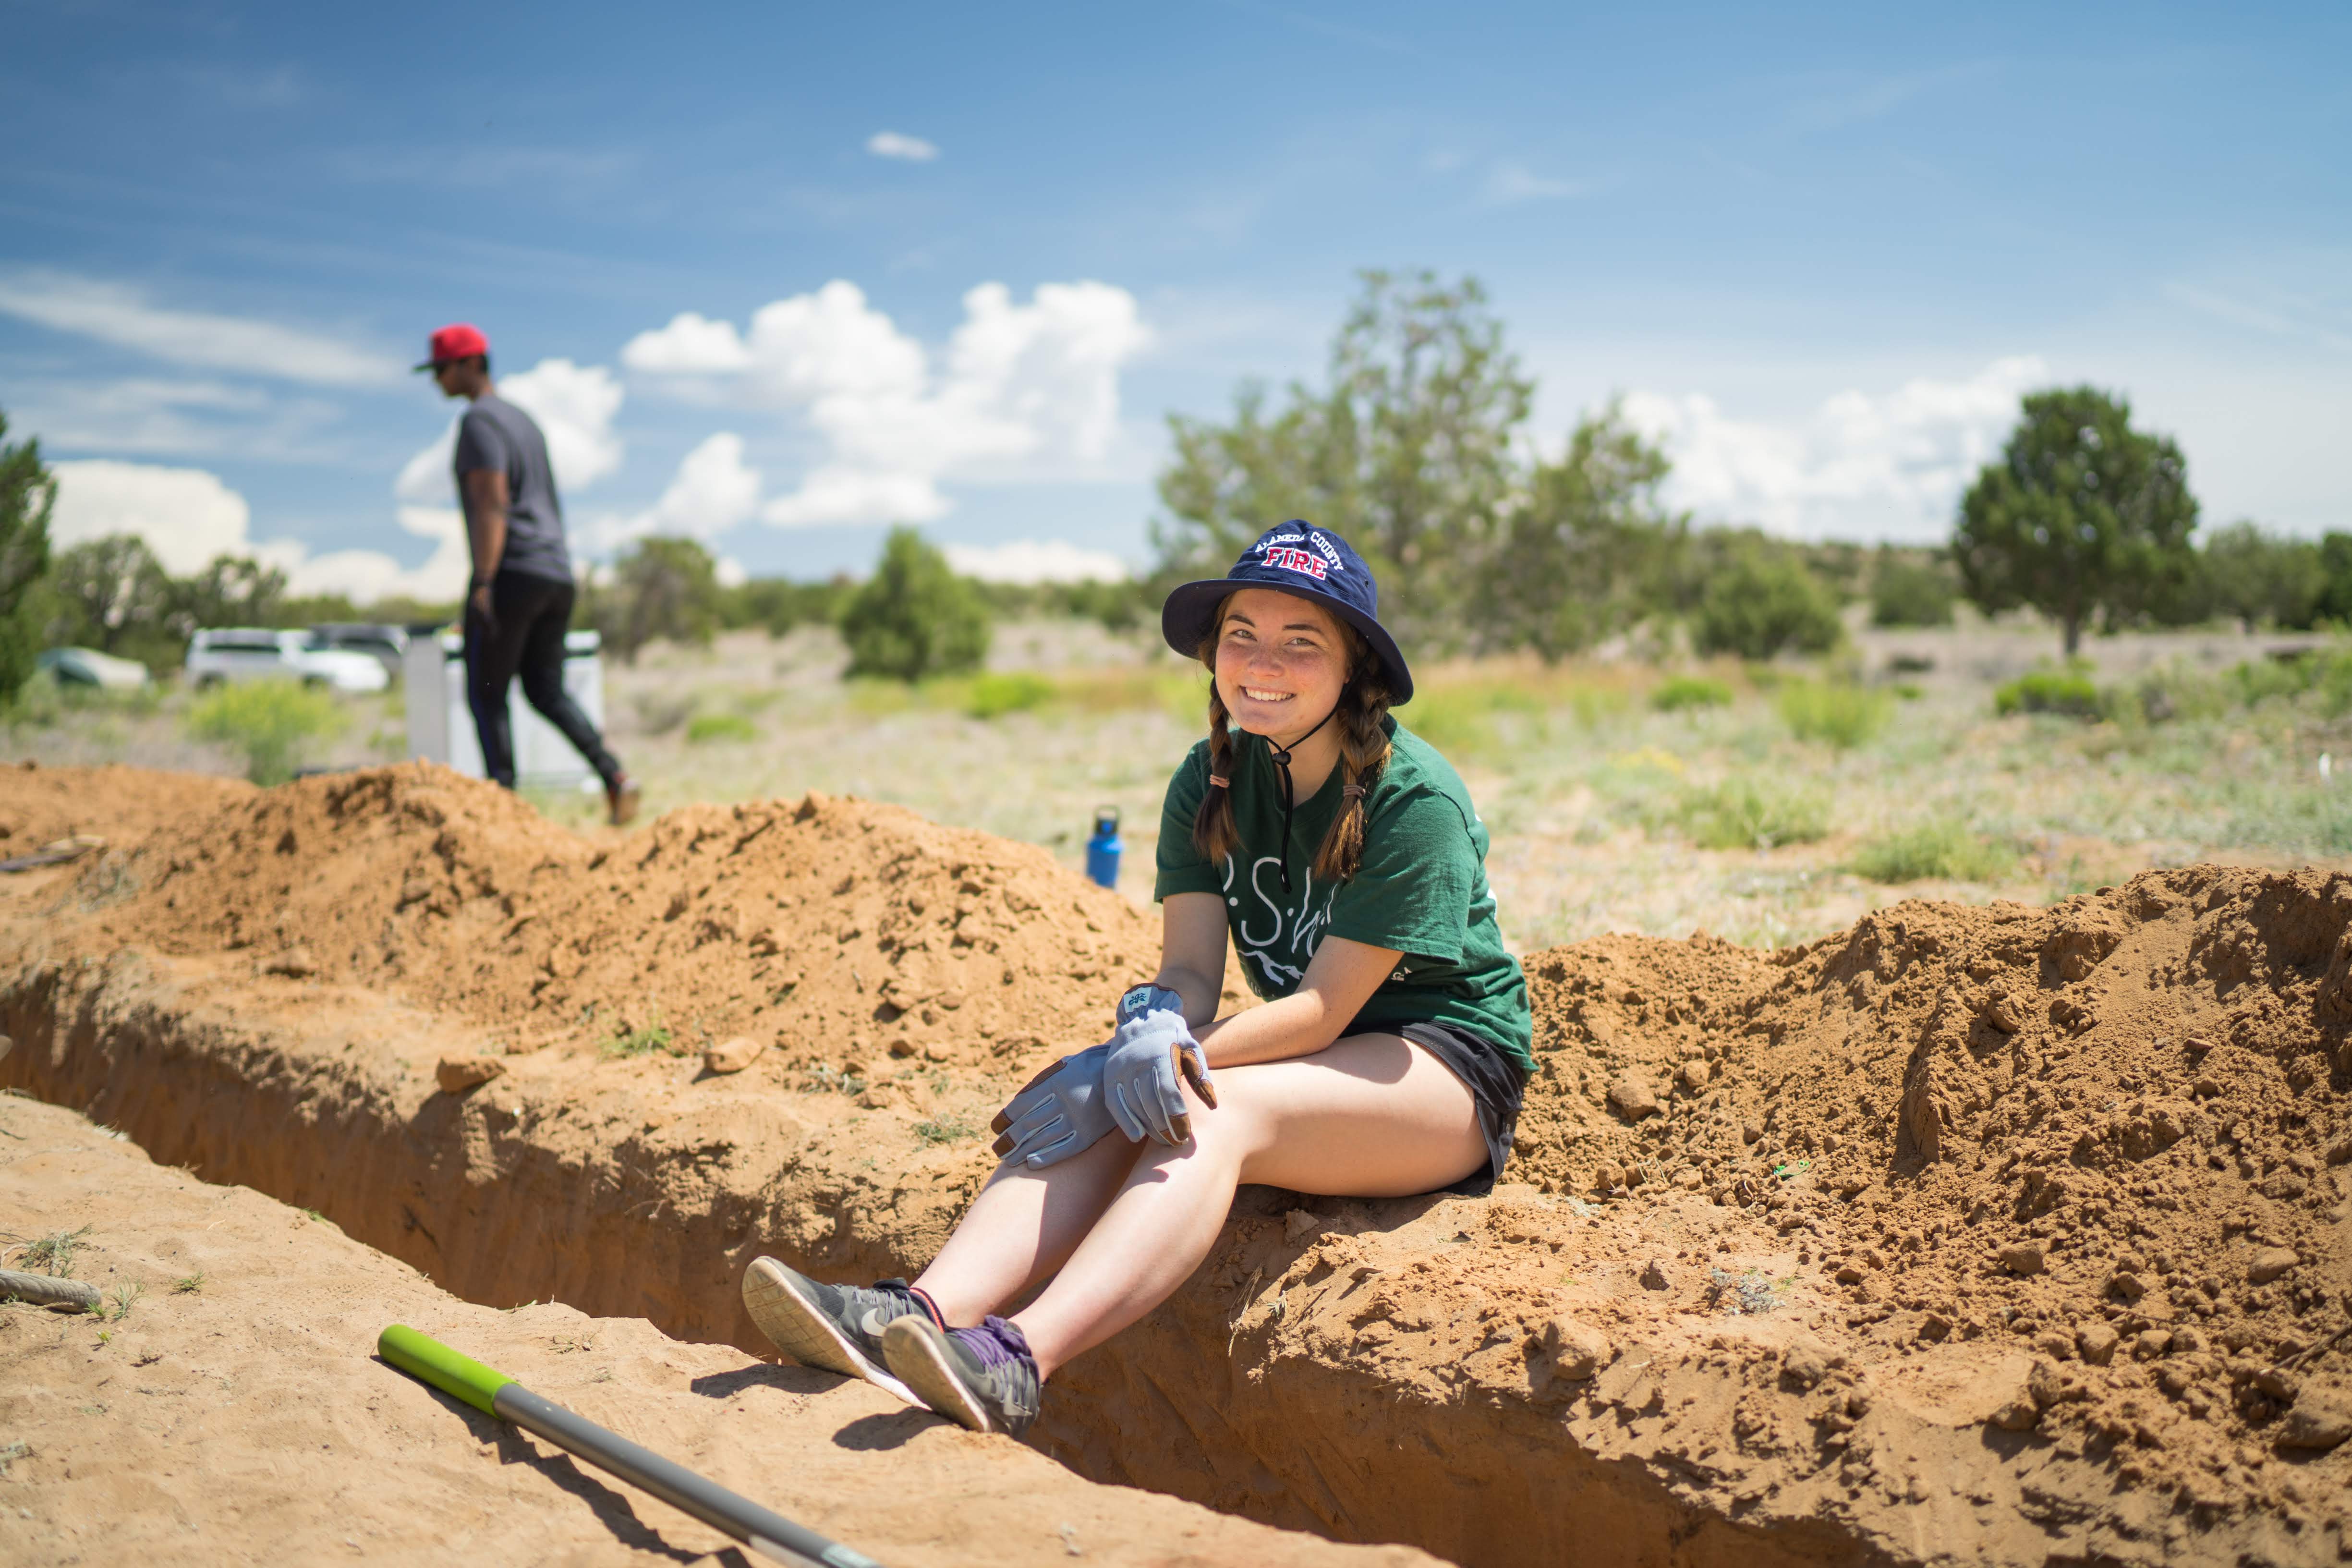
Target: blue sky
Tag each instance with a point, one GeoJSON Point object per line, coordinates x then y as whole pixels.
{"type": "Point", "coordinates": [1819, 251]}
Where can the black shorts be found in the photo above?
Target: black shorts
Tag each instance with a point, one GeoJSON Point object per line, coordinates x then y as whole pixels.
{"type": "Point", "coordinates": [1496, 1085]}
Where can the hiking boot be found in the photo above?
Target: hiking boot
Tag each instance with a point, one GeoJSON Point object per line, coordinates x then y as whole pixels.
{"type": "Point", "coordinates": [621, 801]}
{"type": "Point", "coordinates": [835, 1327]}
{"type": "Point", "coordinates": [983, 1378]}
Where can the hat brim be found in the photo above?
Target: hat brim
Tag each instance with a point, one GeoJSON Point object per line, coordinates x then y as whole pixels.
{"type": "Point", "coordinates": [1185, 615]}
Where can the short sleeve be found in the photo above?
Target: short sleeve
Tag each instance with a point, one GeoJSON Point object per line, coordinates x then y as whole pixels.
{"type": "Point", "coordinates": [1183, 868]}
{"type": "Point", "coordinates": [1412, 891]}
{"type": "Point", "coordinates": [480, 444]}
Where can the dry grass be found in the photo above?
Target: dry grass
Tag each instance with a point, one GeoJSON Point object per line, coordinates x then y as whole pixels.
{"type": "Point", "coordinates": [1606, 812]}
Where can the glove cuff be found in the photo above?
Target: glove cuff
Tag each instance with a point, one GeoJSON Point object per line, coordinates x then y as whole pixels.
{"type": "Point", "coordinates": [1147, 998]}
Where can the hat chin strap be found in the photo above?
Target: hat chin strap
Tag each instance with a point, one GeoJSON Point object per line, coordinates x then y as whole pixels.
{"type": "Point", "coordinates": [1280, 757]}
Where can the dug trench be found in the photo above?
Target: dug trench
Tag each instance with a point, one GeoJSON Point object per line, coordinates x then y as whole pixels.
{"type": "Point", "coordinates": [1993, 1234]}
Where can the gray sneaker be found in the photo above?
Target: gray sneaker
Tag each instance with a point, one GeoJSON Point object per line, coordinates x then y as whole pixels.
{"type": "Point", "coordinates": [835, 1327]}
{"type": "Point", "coordinates": [983, 1378]}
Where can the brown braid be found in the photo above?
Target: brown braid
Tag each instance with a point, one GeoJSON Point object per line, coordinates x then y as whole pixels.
{"type": "Point", "coordinates": [1363, 754]}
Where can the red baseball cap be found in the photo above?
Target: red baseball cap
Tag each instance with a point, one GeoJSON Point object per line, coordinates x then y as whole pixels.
{"type": "Point", "coordinates": [460, 340]}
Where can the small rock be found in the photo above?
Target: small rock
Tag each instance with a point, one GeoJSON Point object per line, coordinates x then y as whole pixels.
{"type": "Point", "coordinates": [2097, 1343]}
{"type": "Point", "coordinates": [2057, 1346]}
{"type": "Point", "coordinates": [1655, 1276]}
{"type": "Point", "coordinates": [902, 1047]}
{"type": "Point", "coordinates": [2279, 1384]}
{"type": "Point", "coordinates": [2197, 1045]}
{"type": "Point", "coordinates": [1574, 1350]}
{"type": "Point", "coordinates": [2018, 1413]}
{"type": "Point", "coordinates": [1934, 1328]}
{"type": "Point", "coordinates": [2047, 1385]}
{"type": "Point", "coordinates": [1849, 1274]}
{"type": "Point", "coordinates": [1633, 1099]}
{"type": "Point", "coordinates": [1695, 1075]}
{"type": "Point", "coordinates": [1297, 1224]}
{"type": "Point", "coordinates": [1609, 1176]}
{"type": "Point", "coordinates": [2151, 1343]}
{"type": "Point", "coordinates": [2268, 1263]}
{"type": "Point", "coordinates": [2022, 1258]}
{"type": "Point", "coordinates": [2187, 1340]}
{"type": "Point", "coordinates": [294, 964]}
{"type": "Point", "coordinates": [2341, 1151]}
{"type": "Point", "coordinates": [733, 1055]}
{"type": "Point", "coordinates": [2125, 1286]}
{"type": "Point", "coordinates": [1804, 1365]}
{"type": "Point", "coordinates": [456, 1075]}
{"type": "Point", "coordinates": [2315, 1422]}
{"type": "Point", "coordinates": [2003, 1012]}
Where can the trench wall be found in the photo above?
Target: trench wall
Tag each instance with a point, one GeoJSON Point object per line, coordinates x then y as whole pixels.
{"type": "Point", "coordinates": [1198, 1401]}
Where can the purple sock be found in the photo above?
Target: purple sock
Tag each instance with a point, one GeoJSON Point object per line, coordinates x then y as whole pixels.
{"type": "Point", "coordinates": [996, 1341]}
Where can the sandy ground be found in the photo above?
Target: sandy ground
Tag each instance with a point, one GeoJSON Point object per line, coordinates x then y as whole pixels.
{"type": "Point", "coordinates": [1969, 1233]}
{"type": "Point", "coordinates": [236, 1412]}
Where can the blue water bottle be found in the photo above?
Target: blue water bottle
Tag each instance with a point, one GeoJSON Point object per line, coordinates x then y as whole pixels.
{"type": "Point", "coordinates": [1103, 849]}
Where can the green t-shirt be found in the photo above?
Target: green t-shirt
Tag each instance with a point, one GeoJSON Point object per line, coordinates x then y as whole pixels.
{"type": "Point", "coordinates": [1422, 889]}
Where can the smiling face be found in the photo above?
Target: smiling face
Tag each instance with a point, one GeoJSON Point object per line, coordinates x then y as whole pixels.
{"type": "Point", "coordinates": [1282, 662]}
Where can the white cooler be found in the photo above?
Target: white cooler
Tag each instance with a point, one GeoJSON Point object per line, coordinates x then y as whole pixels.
{"type": "Point", "coordinates": [441, 726]}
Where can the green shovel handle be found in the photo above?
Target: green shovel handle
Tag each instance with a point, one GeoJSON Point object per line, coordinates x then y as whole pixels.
{"type": "Point", "coordinates": [425, 1358]}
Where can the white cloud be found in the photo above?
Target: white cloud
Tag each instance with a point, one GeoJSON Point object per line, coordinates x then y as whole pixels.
{"type": "Point", "coordinates": [187, 516]}
{"type": "Point", "coordinates": [1891, 466]}
{"type": "Point", "coordinates": [1022, 390]}
{"type": "Point", "coordinates": [573, 405]}
{"type": "Point", "coordinates": [1036, 560]}
{"type": "Point", "coordinates": [114, 314]}
{"type": "Point", "coordinates": [895, 144]}
{"type": "Point", "coordinates": [689, 345]}
{"type": "Point", "coordinates": [714, 490]}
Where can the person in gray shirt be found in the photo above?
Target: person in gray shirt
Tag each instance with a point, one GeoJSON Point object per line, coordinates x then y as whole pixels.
{"type": "Point", "coordinates": [518, 606]}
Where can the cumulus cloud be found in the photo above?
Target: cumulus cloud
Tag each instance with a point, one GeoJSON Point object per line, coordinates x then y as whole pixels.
{"type": "Point", "coordinates": [1036, 560]}
{"type": "Point", "coordinates": [896, 144]}
{"type": "Point", "coordinates": [574, 405]}
{"type": "Point", "coordinates": [1890, 465]}
{"type": "Point", "coordinates": [1020, 390]}
{"type": "Point", "coordinates": [187, 516]}
{"type": "Point", "coordinates": [113, 315]}
{"type": "Point", "coordinates": [714, 490]}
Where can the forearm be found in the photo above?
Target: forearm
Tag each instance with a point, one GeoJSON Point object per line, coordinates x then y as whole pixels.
{"type": "Point", "coordinates": [1295, 1026]}
{"type": "Point", "coordinates": [1200, 990]}
{"type": "Point", "coordinates": [486, 532]}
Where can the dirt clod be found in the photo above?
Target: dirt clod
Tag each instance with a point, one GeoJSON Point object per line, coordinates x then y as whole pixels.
{"type": "Point", "coordinates": [456, 1075]}
{"type": "Point", "coordinates": [733, 1054]}
{"type": "Point", "coordinates": [1632, 1099]}
{"type": "Point", "coordinates": [2317, 1422]}
{"type": "Point", "coordinates": [2268, 1263]}
{"type": "Point", "coordinates": [2021, 1257]}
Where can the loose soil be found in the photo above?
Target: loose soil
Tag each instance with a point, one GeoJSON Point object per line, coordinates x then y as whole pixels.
{"type": "Point", "coordinates": [1984, 1234]}
{"type": "Point", "coordinates": [235, 1412]}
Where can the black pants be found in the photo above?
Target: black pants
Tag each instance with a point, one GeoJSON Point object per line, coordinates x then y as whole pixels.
{"type": "Point", "coordinates": [524, 635]}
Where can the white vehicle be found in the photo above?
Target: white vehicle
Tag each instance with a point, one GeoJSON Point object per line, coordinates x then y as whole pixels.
{"type": "Point", "coordinates": [257, 653]}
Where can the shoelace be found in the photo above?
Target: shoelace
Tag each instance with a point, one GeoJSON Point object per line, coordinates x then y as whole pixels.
{"type": "Point", "coordinates": [996, 1341]}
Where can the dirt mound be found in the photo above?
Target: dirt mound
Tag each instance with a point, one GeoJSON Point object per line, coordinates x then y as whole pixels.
{"type": "Point", "coordinates": [842, 932]}
{"type": "Point", "coordinates": [1969, 1234]}
{"type": "Point", "coordinates": [2111, 1134]}
{"type": "Point", "coordinates": [121, 804]}
{"type": "Point", "coordinates": [235, 1411]}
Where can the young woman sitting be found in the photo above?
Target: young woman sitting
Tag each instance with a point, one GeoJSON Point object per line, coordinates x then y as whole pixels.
{"type": "Point", "coordinates": [1343, 857]}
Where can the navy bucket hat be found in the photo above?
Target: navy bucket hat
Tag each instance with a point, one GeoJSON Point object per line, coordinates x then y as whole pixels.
{"type": "Point", "coordinates": [1304, 560]}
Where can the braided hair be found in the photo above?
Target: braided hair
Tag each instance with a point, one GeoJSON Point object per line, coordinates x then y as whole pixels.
{"type": "Point", "coordinates": [1363, 754]}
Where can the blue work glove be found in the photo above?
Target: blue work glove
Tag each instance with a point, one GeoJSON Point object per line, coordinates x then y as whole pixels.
{"type": "Point", "coordinates": [1139, 1078]}
{"type": "Point", "coordinates": [1058, 1113]}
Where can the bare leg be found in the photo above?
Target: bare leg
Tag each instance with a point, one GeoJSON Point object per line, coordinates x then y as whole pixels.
{"type": "Point", "coordinates": [1022, 1229]}
{"type": "Point", "coordinates": [1372, 1116]}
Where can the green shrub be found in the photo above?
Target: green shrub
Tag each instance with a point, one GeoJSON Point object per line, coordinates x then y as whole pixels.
{"type": "Point", "coordinates": [914, 618]}
{"type": "Point", "coordinates": [2070, 692]}
{"type": "Point", "coordinates": [269, 722]}
{"type": "Point", "coordinates": [640, 1042]}
{"type": "Point", "coordinates": [1680, 691]}
{"type": "Point", "coordinates": [1944, 850]}
{"type": "Point", "coordinates": [1745, 813]}
{"type": "Point", "coordinates": [1910, 594]}
{"type": "Point", "coordinates": [707, 727]}
{"type": "Point", "coordinates": [1841, 714]}
{"type": "Point", "coordinates": [1014, 693]}
{"type": "Point", "coordinates": [1761, 604]}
